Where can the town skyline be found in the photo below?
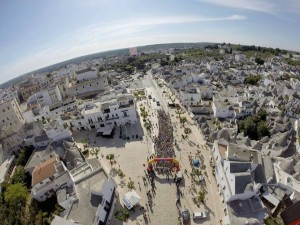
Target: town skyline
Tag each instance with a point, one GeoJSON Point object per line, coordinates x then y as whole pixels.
{"type": "Point", "coordinates": [35, 35]}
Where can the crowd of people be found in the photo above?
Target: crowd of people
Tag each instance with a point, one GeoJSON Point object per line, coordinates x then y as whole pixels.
{"type": "Point", "coordinates": [163, 144]}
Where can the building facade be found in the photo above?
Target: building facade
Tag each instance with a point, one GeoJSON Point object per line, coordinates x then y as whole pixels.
{"type": "Point", "coordinates": [11, 117]}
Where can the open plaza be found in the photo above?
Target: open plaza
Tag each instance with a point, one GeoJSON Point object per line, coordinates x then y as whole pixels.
{"type": "Point", "coordinates": [162, 197]}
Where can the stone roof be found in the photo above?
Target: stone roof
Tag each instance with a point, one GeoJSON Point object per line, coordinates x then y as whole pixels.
{"type": "Point", "coordinates": [257, 146]}
{"type": "Point", "coordinates": [206, 131]}
{"type": "Point", "coordinates": [204, 125]}
{"type": "Point", "coordinates": [201, 119]}
{"type": "Point", "coordinates": [282, 140]}
{"type": "Point", "coordinates": [247, 142]}
{"type": "Point", "coordinates": [41, 138]}
{"type": "Point", "coordinates": [265, 139]}
{"type": "Point", "coordinates": [242, 180]}
{"type": "Point", "coordinates": [239, 167]}
{"type": "Point", "coordinates": [287, 165]}
{"type": "Point", "coordinates": [223, 133]}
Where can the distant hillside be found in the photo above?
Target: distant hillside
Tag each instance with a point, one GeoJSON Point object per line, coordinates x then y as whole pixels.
{"type": "Point", "coordinates": [112, 53]}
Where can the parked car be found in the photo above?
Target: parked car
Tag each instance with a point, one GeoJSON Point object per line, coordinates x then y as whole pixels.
{"type": "Point", "coordinates": [153, 99]}
{"type": "Point", "coordinates": [158, 103]}
{"type": "Point", "coordinates": [199, 215]}
{"type": "Point", "coordinates": [185, 213]}
{"type": "Point", "coordinates": [149, 96]}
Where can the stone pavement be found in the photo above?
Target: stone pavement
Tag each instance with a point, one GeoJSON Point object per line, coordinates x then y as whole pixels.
{"type": "Point", "coordinates": [131, 158]}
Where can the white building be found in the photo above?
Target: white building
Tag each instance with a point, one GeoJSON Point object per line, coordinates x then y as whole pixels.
{"type": "Point", "coordinates": [86, 82]}
{"type": "Point", "coordinates": [46, 97]}
{"type": "Point", "coordinates": [11, 117]}
{"type": "Point", "coordinates": [189, 96]}
{"type": "Point", "coordinates": [48, 177]}
{"type": "Point", "coordinates": [222, 109]}
{"type": "Point", "coordinates": [50, 112]}
{"type": "Point", "coordinates": [114, 110]}
{"type": "Point", "coordinates": [106, 207]}
{"type": "Point", "coordinates": [287, 172]}
{"type": "Point", "coordinates": [8, 95]}
{"type": "Point", "coordinates": [295, 84]}
{"type": "Point", "coordinates": [56, 131]}
{"type": "Point", "coordinates": [41, 141]}
{"type": "Point", "coordinates": [6, 168]}
{"type": "Point", "coordinates": [239, 57]}
{"type": "Point", "coordinates": [237, 185]}
{"type": "Point", "coordinates": [212, 67]}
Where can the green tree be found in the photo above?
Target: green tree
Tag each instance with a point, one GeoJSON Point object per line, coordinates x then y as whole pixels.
{"type": "Point", "coordinates": [259, 61]}
{"type": "Point", "coordinates": [110, 157]}
{"type": "Point", "coordinates": [183, 120]}
{"type": "Point", "coordinates": [122, 214]}
{"type": "Point", "coordinates": [94, 152]}
{"type": "Point", "coordinates": [130, 184]}
{"type": "Point", "coordinates": [16, 194]}
{"type": "Point", "coordinates": [164, 62]}
{"type": "Point", "coordinates": [201, 196]}
{"type": "Point", "coordinates": [179, 111]}
{"type": "Point", "coordinates": [101, 68]}
{"type": "Point", "coordinates": [129, 69]}
{"type": "Point", "coordinates": [255, 126]}
{"type": "Point", "coordinates": [262, 130]}
{"type": "Point", "coordinates": [250, 128]}
{"type": "Point", "coordinates": [19, 175]}
{"type": "Point", "coordinates": [252, 79]}
{"type": "Point", "coordinates": [262, 114]}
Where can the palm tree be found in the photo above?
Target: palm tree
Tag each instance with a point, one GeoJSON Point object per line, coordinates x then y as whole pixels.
{"type": "Point", "coordinates": [201, 196]}
{"type": "Point", "coordinates": [179, 111]}
{"type": "Point", "coordinates": [183, 120]}
{"type": "Point", "coordinates": [110, 157]}
{"type": "Point", "coordinates": [130, 184]}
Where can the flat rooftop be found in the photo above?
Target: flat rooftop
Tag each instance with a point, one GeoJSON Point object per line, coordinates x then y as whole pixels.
{"type": "Point", "coordinates": [85, 209]}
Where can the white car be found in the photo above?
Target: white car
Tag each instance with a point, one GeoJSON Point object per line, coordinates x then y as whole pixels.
{"type": "Point", "coordinates": [199, 215]}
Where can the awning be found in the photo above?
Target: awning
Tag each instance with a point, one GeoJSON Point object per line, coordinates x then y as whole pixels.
{"type": "Point", "coordinates": [196, 162]}
{"type": "Point", "coordinates": [131, 199]}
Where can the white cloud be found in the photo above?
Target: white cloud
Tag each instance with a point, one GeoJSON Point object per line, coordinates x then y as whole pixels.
{"type": "Point", "coordinates": [255, 5]}
{"type": "Point", "coordinates": [267, 6]}
{"type": "Point", "coordinates": [96, 38]}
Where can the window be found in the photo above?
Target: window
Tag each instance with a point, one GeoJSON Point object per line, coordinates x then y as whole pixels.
{"type": "Point", "coordinates": [3, 110]}
{"type": "Point", "coordinates": [3, 121]}
{"type": "Point", "coordinates": [8, 108]}
{"type": "Point", "coordinates": [106, 110]}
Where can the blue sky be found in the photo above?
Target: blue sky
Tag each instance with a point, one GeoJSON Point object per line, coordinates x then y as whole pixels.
{"type": "Point", "coordinates": [35, 34]}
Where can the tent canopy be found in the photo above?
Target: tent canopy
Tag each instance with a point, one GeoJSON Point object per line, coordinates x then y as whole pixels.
{"type": "Point", "coordinates": [131, 199]}
{"type": "Point", "coordinates": [196, 162]}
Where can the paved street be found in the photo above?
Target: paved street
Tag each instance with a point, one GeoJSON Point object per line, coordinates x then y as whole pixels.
{"type": "Point", "coordinates": [131, 158]}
